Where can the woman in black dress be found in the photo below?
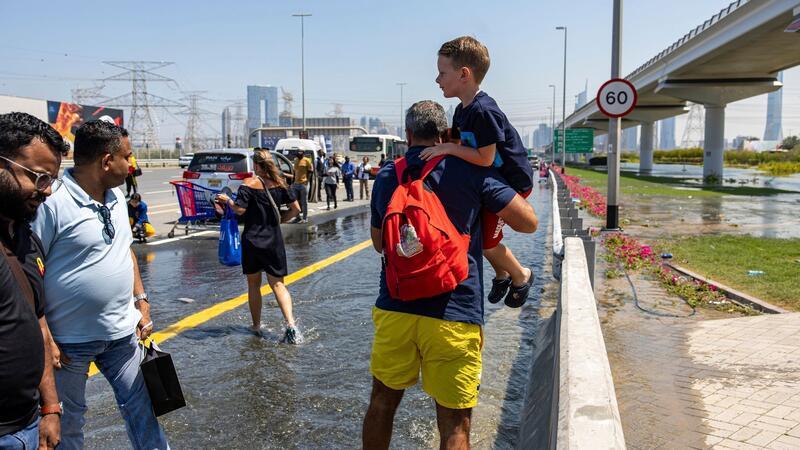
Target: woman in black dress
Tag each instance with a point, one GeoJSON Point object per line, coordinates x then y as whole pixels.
{"type": "Point", "coordinates": [257, 204]}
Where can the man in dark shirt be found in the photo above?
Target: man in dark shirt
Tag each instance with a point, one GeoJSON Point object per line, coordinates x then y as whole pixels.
{"type": "Point", "coordinates": [30, 155]}
{"type": "Point", "coordinates": [439, 336]}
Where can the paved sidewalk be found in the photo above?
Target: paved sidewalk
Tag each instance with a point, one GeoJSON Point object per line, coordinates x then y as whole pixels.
{"type": "Point", "coordinates": [701, 381]}
{"type": "Point", "coordinates": [747, 374]}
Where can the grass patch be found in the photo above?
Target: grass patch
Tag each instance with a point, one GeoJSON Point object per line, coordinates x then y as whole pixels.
{"type": "Point", "coordinates": [728, 258]}
{"type": "Point", "coordinates": [632, 184]}
{"type": "Point", "coordinates": [780, 168]}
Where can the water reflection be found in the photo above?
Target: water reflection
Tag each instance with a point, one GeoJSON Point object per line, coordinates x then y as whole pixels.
{"type": "Point", "coordinates": [711, 210]}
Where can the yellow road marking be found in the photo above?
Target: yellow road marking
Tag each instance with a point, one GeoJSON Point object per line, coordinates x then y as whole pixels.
{"type": "Point", "coordinates": [211, 312]}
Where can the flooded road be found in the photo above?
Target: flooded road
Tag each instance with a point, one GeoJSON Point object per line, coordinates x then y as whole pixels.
{"type": "Point", "coordinates": [252, 392]}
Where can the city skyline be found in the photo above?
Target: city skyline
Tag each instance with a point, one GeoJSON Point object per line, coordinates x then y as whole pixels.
{"type": "Point", "coordinates": [344, 68]}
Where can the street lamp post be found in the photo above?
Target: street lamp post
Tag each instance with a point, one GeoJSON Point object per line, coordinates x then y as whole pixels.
{"type": "Point", "coordinates": [401, 107]}
{"type": "Point", "coordinates": [553, 127]}
{"type": "Point", "coordinates": [302, 17]}
{"type": "Point", "coordinates": [564, 104]}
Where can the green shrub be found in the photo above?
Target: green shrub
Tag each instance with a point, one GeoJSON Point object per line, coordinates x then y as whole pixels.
{"type": "Point", "coordinates": [780, 168]}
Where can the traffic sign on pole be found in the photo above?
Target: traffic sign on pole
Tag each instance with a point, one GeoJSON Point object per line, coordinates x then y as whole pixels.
{"type": "Point", "coordinates": [579, 140]}
{"type": "Point", "coordinates": [616, 98]}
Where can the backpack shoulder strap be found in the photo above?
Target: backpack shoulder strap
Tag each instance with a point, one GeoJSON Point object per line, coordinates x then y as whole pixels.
{"type": "Point", "coordinates": [429, 166]}
{"type": "Point", "coordinates": [400, 166]}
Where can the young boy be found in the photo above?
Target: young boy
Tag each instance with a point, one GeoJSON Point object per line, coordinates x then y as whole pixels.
{"type": "Point", "coordinates": [487, 138]}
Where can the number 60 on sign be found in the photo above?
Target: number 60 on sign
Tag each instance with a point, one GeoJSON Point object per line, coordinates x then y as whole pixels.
{"type": "Point", "coordinates": [616, 98]}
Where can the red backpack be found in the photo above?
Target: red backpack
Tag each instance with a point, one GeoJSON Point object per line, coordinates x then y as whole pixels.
{"type": "Point", "coordinates": [423, 252]}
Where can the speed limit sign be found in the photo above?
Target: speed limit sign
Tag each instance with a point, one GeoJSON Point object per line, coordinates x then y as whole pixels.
{"type": "Point", "coordinates": [616, 98]}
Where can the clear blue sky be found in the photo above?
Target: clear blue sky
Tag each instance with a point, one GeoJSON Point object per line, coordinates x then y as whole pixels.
{"type": "Point", "coordinates": [356, 51]}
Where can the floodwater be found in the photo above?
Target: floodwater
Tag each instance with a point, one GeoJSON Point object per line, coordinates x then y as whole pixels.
{"type": "Point", "coordinates": [247, 392]}
{"type": "Point", "coordinates": [773, 216]}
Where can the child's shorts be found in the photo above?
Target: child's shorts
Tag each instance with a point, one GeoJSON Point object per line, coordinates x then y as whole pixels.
{"type": "Point", "coordinates": [493, 226]}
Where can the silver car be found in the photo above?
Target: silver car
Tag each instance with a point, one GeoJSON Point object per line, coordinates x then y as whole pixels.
{"type": "Point", "coordinates": [224, 169]}
{"type": "Point", "coordinates": [185, 160]}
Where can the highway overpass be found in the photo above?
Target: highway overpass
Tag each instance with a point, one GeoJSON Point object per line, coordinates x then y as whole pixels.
{"type": "Point", "coordinates": [734, 55]}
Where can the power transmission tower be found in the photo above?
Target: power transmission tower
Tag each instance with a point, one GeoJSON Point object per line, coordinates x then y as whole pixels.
{"type": "Point", "coordinates": [693, 134]}
{"type": "Point", "coordinates": [194, 139]}
{"type": "Point", "coordinates": [89, 95]}
{"type": "Point", "coordinates": [238, 125]}
{"type": "Point", "coordinates": [142, 126]}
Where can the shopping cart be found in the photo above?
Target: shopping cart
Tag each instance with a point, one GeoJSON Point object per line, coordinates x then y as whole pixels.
{"type": "Point", "coordinates": [197, 207]}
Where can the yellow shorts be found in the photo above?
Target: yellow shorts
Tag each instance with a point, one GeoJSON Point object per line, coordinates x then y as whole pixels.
{"type": "Point", "coordinates": [448, 353]}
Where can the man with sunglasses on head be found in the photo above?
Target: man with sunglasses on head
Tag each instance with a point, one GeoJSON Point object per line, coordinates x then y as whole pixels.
{"type": "Point", "coordinates": [30, 154]}
{"type": "Point", "coordinates": [97, 307]}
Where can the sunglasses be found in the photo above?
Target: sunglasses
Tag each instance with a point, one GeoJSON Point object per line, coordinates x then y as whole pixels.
{"type": "Point", "coordinates": [108, 227]}
{"type": "Point", "coordinates": [42, 180]}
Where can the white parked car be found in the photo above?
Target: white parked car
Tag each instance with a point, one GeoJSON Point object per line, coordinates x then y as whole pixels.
{"type": "Point", "coordinates": [224, 169]}
{"type": "Point", "coordinates": [185, 160]}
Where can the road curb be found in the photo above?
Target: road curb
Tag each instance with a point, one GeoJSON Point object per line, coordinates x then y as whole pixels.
{"type": "Point", "coordinates": [735, 296]}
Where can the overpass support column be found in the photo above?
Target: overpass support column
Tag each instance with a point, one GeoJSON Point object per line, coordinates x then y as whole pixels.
{"type": "Point", "coordinates": [646, 152]}
{"type": "Point", "coordinates": [714, 145]}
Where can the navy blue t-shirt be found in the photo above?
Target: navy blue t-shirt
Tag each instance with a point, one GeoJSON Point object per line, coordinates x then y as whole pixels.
{"type": "Point", "coordinates": [464, 190]}
{"type": "Point", "coordinates": [482, 123]}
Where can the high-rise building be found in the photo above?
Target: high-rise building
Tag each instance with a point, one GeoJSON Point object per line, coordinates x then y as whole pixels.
{"type": "Point", "coordinates": [450, 112]}
{"type": "Point", "coordinates": [774, 128]}
{"type": "Point", "coordinates": [542, 136]}
{"type": "Point", "coordinates": [582, 97]}
{"type": "Point", "coordinates": [226, 127]}
{"type": "Point", "coordinates": [629, 138]}
{"type": "Point", "coordinates": [666, 134]}
{"type": "Point", "coordinates": [262, 108]}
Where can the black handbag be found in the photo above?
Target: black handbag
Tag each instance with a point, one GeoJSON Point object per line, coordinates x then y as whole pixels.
{"type": "Point", "coordinates": [161, 380]}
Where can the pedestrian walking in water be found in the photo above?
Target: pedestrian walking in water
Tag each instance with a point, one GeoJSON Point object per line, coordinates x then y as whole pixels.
{"type": "Point", "coordinates": [362, 173]}
{"type": "Point", "coordinates": [257, 204]}
{"type": "Point", "coordinates": [348, 170]}
{"type": "Point", "coordinates": [96, 306]}
{"type": "Point", "coordinates": [331, 180]}
{"type": "Point", "coordinates": [303, 170]}
{"type": "Point", "coordinates": [320, 167]}
{"type": "Point", "coordinates": [130, 181]}
{"type": "Point", "coordinates": [30, 154]}
{"type": "Point", "coordinates": [438, 332]}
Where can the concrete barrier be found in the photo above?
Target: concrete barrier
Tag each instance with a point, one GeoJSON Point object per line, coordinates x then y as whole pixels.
{"type": "Point", "coordinates": [588, 415]}
{"type": "Point", "coordinates": [558, 243]}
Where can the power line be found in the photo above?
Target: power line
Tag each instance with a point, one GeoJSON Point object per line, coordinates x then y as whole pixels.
{"type": "Point", "coordinates": [144, 133]}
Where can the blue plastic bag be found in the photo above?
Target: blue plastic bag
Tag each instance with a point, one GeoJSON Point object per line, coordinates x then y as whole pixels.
{"type": "Point", "coordinates": [230, 245]}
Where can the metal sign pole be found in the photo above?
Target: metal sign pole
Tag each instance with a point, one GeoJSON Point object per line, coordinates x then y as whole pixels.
{"type": "Point", "coordinates": [564, 108]}
{"type": "Point", "coordinates": [614, 126]}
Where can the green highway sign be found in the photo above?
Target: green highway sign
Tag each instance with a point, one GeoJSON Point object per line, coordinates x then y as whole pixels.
{"type": "Point", "coordinates": [579, 140]}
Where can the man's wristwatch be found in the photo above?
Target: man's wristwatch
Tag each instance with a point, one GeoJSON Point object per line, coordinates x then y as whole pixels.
{"type": "Point", "coordinates": [50, 409]}
{"type": "Point", "coordinates": [142, 296]}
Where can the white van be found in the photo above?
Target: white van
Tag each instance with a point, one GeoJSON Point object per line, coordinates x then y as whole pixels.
{"type": "Point", "coordinates": [289, 147]}
{"type": "Point", "coordinates": [223, 169]}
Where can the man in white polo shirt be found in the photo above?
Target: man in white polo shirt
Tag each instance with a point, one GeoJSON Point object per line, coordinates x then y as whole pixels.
{"type": "Point", "coordinates": [97, 308]}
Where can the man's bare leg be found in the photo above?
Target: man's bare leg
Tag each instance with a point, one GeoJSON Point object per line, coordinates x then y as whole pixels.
{"type": "Point", "coordinates": [379, 420]}
{"type": "Point", "coordinates": [454, 427]}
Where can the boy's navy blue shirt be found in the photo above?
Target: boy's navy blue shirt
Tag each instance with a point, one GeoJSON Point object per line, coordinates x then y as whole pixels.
{"type": "Point", "coordinates": [482, 123]}
{"type": "Point", "coordinates": [464, 190]}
